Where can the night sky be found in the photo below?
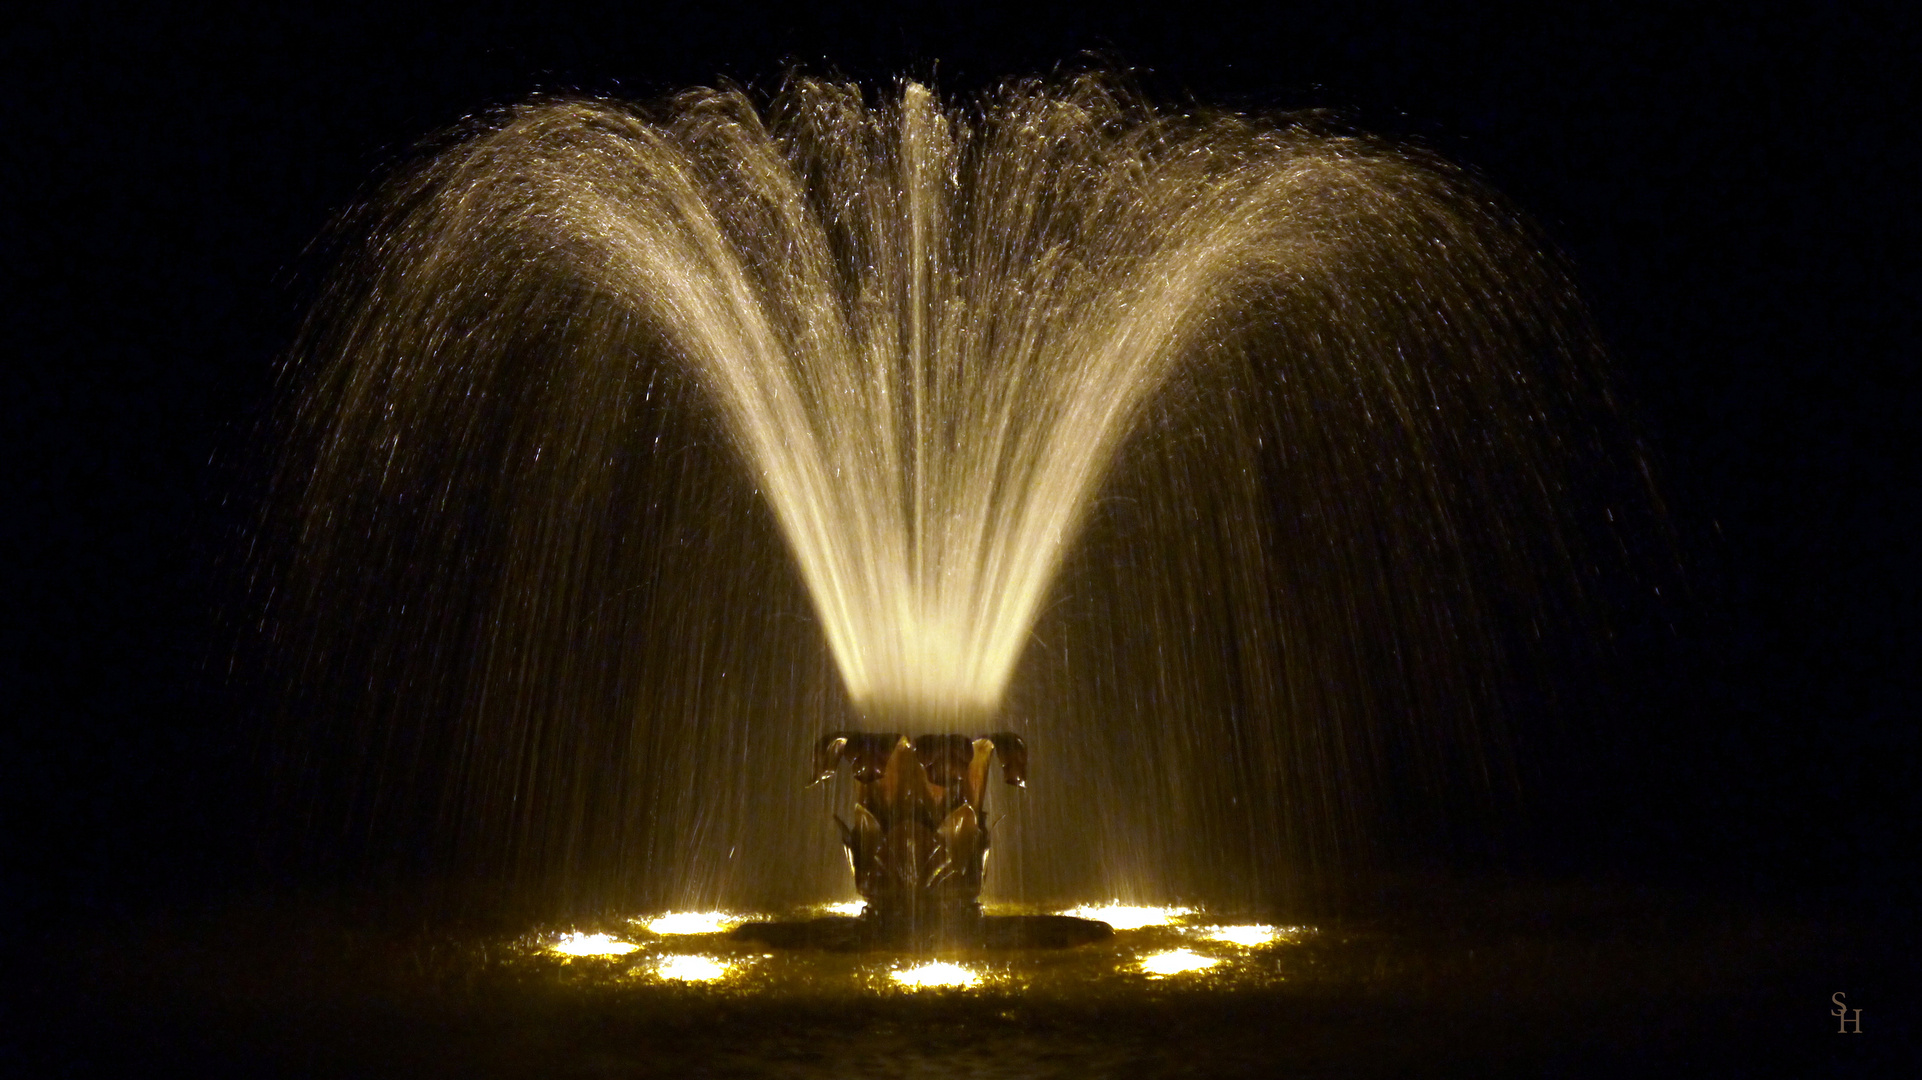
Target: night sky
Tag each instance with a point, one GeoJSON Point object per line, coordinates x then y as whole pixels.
{"type": "Point", "coordinates": [1737, 196]}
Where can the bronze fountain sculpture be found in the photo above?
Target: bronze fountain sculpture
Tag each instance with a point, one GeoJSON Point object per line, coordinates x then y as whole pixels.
{"type": "Point", "coordinates": [919, 841]}
{"type": "Point", "coordinates": [919, 845]}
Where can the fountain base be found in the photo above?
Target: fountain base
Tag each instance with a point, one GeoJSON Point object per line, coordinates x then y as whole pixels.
{"type": "Point", "coordinates": [852, 933]}
{"type": "Point", "coordinates": [918, 847]}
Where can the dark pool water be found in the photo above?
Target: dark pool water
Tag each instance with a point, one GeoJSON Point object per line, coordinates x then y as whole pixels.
{"type": "Point", "coordinates": [1578, 980]}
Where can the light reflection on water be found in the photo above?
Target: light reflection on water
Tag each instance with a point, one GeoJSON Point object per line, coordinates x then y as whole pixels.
{"type": "Point", "coordinates": [692, 922]}
{"type": "Point", "coordinates": [693, 968]}
{"type": "Point", "coordinates": [1176, 962]}
{"type": "Point", "coordinates": [1176, 948]}
{"type": "Point", "coordinates": [578, 944]}
{"type": "Point", "coordinates": [1128, 917]}
{"type": "Point", "coordinates": [1253, 935]}
{"type": "Point", "coordinates": [937, 973]}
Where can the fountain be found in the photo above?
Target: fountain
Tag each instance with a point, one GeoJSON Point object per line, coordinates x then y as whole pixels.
{"type": "Point", "coordinates": [919, 847]}
{"type": "Point", "coordinates": [919, 842]}
{"type": "Point", "coordinates": [1288, 409]}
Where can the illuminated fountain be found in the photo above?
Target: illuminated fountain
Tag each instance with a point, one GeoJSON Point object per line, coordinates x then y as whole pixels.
{"type": "Point", "coordinates": [1335, 373]}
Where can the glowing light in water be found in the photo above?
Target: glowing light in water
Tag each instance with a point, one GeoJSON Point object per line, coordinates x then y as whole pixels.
{"type": "Point", "coordinates": [938, 973]}
{"type": "Point", "coordinates": [691, 922]}
{"type": "Point", "coordinates": [578, 944]}
{"type": "Point", "coordinates": [848, 907]}
{"type": "Point", "coordinates": [1247, 936]}
{"type": "Point", "coordinates": [1127, 917]}
{"type": "Point", "coordinates": [693, 968]}
{"type": "Point", "coordinates": [1176, 962]}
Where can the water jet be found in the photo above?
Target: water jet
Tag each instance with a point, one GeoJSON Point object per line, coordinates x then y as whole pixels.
{"type": "Point", "coordinates": [637, 444]}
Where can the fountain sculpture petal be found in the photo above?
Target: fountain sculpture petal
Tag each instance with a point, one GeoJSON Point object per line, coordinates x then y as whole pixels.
{"type": "Point", "coordinates": [919, 842]}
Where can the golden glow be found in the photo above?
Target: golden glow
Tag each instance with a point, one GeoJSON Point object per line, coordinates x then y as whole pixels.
{"type": "Point", "coordinates": [1247, 936]}
{"type": "Point", "coordinates": [578, 944]}
{"type": "Point", "coordinates": [936, 974]}
{"type": "Point", "coordinates": [1125, 917]}
{"type": "Point", "coordinates": [850, 907]}
{"type": "Point", "coordinates": [691, 922]}
{"type": "Point", "coordinates": [1176, 962]}
{"type": "Point", "coordinates": [693, 968]}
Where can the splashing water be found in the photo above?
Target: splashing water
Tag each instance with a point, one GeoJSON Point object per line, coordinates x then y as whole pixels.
{"type": "Point", "coordinates": [1322, 383]}
{"type": "Point", "coordinates": [935, 974]}
{"type": "Point", "coordinates": [693, 968]}
{"type": "Point", "coordinates": [579, 944]}
{"type": "Point", "coordinates": [1128, 917]}
{"type": "Point", "coordinates": [1176, 962]}
{"type": "Point", "coordinates": [691, 922]}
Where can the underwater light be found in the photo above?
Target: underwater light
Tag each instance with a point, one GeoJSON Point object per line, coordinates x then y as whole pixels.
{"type": "Point", "coordinates": [691, 922]}
{"type": "Point", "coordinates": [1176, 962]}
{"type": "Point", "coordinates": [847, 907]}
{"type": "Point", "coordinates": [1247, 936]}
{"type": "Point", "coordinates": [1125, 917]}
{"type": "Point", "coordinates": [693, 968]}
{"type": "Point", "coordinates": [936, 974]}
{"type": "Point", "coordinates": [578, 944]}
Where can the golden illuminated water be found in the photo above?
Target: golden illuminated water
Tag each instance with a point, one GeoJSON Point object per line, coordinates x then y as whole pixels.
{"type": "Point", "coordinates": [1179, 947]}
{"type": "Point", "coordinates": [1244, 441]}
{"type": "Point", "coordinates": [928, 360]}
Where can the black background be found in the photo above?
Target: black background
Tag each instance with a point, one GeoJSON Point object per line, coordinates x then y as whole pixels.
{"type": "Point", "coordinates": [1737, 193]}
